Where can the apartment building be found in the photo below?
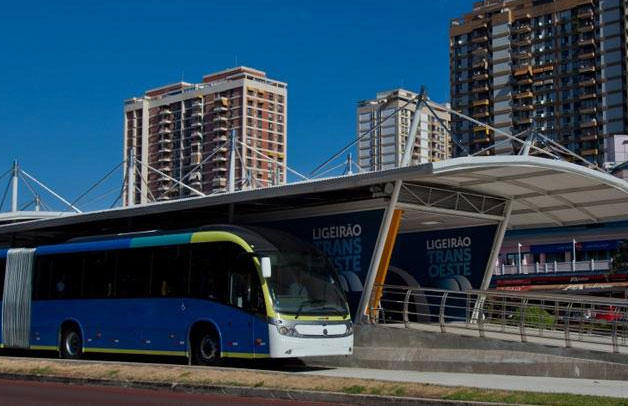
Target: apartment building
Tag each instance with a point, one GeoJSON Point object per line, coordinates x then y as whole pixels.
{"type": "Point", "coordinates": [383, 148]}
{"type": "Point", "coordinates": [182, 131]}
{"type": "Point", "coordinates": [558, 66]}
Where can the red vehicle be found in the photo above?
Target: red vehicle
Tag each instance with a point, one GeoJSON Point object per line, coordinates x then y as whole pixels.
{"type": "Point", "coordinates": [608, 313]}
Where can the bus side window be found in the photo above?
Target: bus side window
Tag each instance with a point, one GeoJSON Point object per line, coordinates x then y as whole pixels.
{"type": "Point", "coordinates": [67, 272]}
{"type": "Point", "coordinates": [171, 264]}
{"type": "Point", "coordinates": [244, 286]}
{"type": "Point", "coordinates": [209, 271]}
{"type": "Point", "coordinates": [42, 280]}
{"type": "Point", "coordinates": [99, 269]}
{"type": "Point", "coordinates": [133, 273]}
{"type": "Point", "coordinates": [3, 266]}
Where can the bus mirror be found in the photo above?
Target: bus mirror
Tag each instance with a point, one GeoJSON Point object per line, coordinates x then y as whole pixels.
{"type": "Point", "coordinates": [266, 269]}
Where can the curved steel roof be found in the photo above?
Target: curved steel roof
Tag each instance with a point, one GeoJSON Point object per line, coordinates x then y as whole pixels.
{"type": "Point", "coordinates": [545, 192]}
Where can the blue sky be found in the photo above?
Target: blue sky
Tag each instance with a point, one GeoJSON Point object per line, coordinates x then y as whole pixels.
{"type": "Point", "coordinates": [67, 66]}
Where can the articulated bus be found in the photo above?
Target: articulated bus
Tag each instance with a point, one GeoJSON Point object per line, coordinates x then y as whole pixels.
{"type": "Point", "coordinates": [222, 292]}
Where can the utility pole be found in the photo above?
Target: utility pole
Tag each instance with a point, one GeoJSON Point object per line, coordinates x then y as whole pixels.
{"type": "Point", "coordinates": [14, 174]}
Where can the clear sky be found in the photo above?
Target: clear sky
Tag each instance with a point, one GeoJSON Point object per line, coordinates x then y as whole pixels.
{"type": "Point", "coordinates": [67, 66]}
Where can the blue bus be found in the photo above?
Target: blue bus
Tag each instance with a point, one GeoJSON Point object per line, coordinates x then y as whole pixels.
{"type": "Point", "coordinates": [225, 291]}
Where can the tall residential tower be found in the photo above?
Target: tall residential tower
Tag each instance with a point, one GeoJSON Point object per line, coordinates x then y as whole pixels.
{"type": "Point", "coordinates": [383, 147]}
{"type": "Point", "coordinates": [173, 130]}
{"type": "Point", "coordinates": [558, 66]}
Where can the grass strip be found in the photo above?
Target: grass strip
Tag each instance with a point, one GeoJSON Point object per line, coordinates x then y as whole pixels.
{"type": "Point", "coordinates": [278, 380]}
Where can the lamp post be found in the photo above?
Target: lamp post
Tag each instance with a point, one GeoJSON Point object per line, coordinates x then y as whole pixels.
{"type": "Point", "coordinates": [519, 258]}
{"type": "Point", "coordinates": [573, 255]}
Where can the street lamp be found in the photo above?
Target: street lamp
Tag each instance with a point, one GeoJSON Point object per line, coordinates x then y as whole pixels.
{"type": "Point", "coordinates": [519, 257]}
{"type": "Point", "coordinates": [573, 255]}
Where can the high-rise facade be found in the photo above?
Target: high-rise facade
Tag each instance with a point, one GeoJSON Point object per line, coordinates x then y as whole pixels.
{"type": "Point", "coordinates": [384, 146]}
{"type": "Point", "coordinates": [173, 130]}
{"type": "Point", "coordinates": [558, 66]}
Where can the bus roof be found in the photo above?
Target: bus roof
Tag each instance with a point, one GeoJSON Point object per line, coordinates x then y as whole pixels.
{"type": "Point", "coordinates": [154, 239]}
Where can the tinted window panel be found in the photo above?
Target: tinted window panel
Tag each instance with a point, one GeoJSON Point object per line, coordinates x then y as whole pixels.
{"type": "Point", "coordinates": [99, 269]}
{"type": "Point", "coordinates": [172, 266]}
{"type": "Point", "coordinates": [42, 282]}
{"type": "Point", "coordinates": [210, 271]}
{"type": "Point", "coordinates": [133, 273]}
{"type": "Point", "coordinates": [67, 272]}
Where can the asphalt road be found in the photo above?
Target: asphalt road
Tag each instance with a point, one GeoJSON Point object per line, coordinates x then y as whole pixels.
{"type": "Point", "coordinates": [15, 392]}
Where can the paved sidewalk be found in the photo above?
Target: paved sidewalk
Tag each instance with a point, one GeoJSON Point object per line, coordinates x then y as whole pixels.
{"type": "Point", "coordinates": [594, 387]}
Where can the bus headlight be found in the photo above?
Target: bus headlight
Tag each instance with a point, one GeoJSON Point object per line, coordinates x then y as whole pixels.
{"type": "Point", "coordinates": [287, 331]}
{"type": "Point", "coordinates": [282, 330]}
{"type": "Point", "coordinates": [349, 328]}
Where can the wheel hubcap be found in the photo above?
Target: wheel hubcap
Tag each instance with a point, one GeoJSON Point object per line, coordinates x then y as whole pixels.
{"type": "Point", "coordinates": [209, 348]}
{"type": "Point", "coordinates": [72, 344]}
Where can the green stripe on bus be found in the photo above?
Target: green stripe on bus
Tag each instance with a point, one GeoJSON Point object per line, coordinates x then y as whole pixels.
{"type": "Point", "coordinates": [44, 347]}
{"type": "Point", "coordinates": [166, 240]}
{"type": "Point", "coordinates": [135, 351]}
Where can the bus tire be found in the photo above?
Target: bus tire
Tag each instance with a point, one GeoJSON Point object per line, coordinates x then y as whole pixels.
{"type": "Point", "coordinates": [71, 344]}
{"type": "Point", "coordinates": [206, 349]}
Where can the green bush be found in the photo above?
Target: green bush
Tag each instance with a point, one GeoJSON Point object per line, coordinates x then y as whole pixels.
{"type": "Point", "coordinates": [535, 317]}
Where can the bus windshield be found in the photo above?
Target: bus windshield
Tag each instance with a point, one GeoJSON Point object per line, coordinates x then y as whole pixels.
{"type": "Point", "coordinates": [305, 283]}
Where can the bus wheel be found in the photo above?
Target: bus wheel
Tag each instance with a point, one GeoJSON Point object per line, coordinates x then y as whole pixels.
{"type": "Point", "coordinates": [71, 344]}
{"type": "Point", "coordinates": [207, 350]}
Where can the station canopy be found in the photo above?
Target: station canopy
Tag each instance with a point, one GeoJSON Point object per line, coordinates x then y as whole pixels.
{"type": "Point", "coordinates": [453, 193]}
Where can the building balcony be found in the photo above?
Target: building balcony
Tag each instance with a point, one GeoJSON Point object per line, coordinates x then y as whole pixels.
{"type": "Point", "coordinates": [480, 77]}
{"type": "Point", "coordinates": [479, 51]}
{"type": "Point", "coordinates": [220, 128]}
{"type": "Point", "coordinates": [586, 55]}
{"type": "Point", "coordinates": [587, 152]}
{"type": "Point", "coordinates": [587, 82]}
{"type": "Point", "coordinates": [480, 128]}
{"type": "Point", "coordinates": [586, 41]}
{"type": "Point", "coordinates": [522, 70]}
{"type": "Point", "coordinates": [196, 114]}
{"type": "Point", "coordinates": [588, 124]}
{"type": "Point", "coordinates": [586, 68]}
{"type": "Point", "coordinates": [525, 81]}
{"type": "Point", "coordinates": [588, 13]}
{"type": "Point", "coordinates": [522, 54]}
{"type": "Point", "coordinates": [523, 95]}
{"type": "Point", "coordinates": [164, 159]}
{"type": "Point", "coordinates": [522, 42]}
{"type": "Point", "coordinates": [481, 114]}
{"type": "Point", "coordinates": [163, 150]}
{"type": "Point", "coordinates": [481, 102]}
{"type": "Point", "coordinates": [196, 134]}
{"type": "Point", "coordinates": [586, 28]}
{"type": "Point", "coordinates": [522, 121]}
{"type": "Point", "coordinates": [479, 63]}
{"type": "Point", "coordinates": [220, 109]}
{"type": "Point", "coordinates": [588, 110]}
{"type": "Point", "coordinates": [165, 111]}
{"type": "Point", "coordinates": [523, 107]}
{"type": "Point", "coordinates": [590, 95]}
{"type": "Point", "coordinates": [482, 38]}
{"type": "Point", "coordinates": [483, 139]}
{"type": "Point", "coordinates": [220, 118]}
{"type": "Point", "coordinates": [219, 159]}
{"type": "Point", "coordinates": [165, 131]}
{"type": "Point", "coordinates": [196, 124]}
{"type": "Point", "coordinates": [165, 121]}
{"type": "Point", "coordinates": [587, 138]}
{"type": "Point", "coordinates": [220, 138]}
{"type": "Point", "coordinates": [480, 88]}
{"type": "Point", "coordinates": [524, 28]}
{"type": "Point", "coordinates": [197, 104]}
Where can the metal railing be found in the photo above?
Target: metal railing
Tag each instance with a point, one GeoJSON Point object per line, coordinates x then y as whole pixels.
{"type": "Point", "coordinates": [555, 267]}
{"type": "Point", "coordinates": [593, 323]}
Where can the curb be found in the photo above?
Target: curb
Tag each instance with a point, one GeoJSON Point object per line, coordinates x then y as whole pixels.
{"type": "Point", "coordinates": [249, 392]}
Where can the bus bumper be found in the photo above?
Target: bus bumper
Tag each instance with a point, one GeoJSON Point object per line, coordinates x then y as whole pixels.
{"type": "Point", "coordinates": [283, 346]}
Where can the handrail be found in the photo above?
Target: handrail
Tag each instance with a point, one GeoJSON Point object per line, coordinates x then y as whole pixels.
{"type": "Point", "coordinates": [554, 319]}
